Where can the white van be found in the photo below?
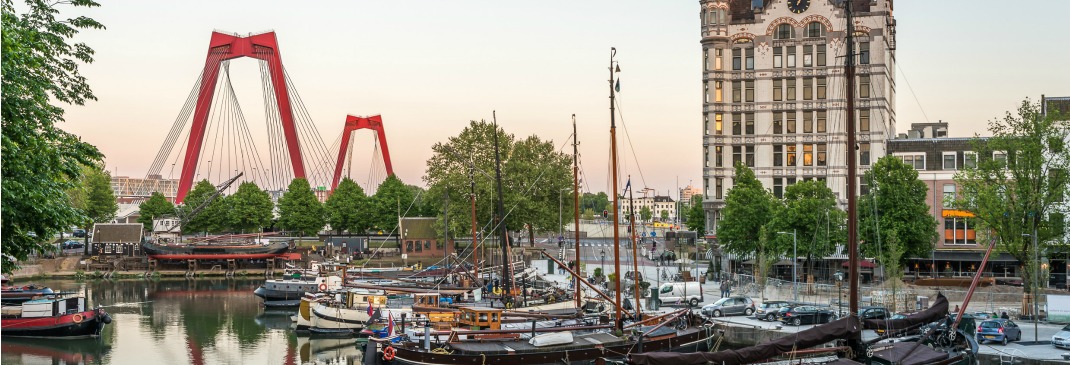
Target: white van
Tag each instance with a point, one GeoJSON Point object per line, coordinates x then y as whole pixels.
{"type": "Point", "coordinates": [689, 292]}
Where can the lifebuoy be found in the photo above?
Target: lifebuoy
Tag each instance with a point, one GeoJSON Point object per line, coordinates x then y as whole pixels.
{"type": "Point", "coordinates": [497, 291]}
{"type": "Point", "coordinates": [323, 286]}
{"type": "Point", "coordinates": [78, 318]}
{"type": "Point", "coordinates": [388, 353]}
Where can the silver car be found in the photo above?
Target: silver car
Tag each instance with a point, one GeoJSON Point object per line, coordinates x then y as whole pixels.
{"type": "Point", "coordinates": [1062, 338]}
{"type": "Point", "coordinates": [729, 306]}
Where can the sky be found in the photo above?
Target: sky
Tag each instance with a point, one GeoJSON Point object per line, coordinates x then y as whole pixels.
{"type": "Point", "coordinates": [429, 67]}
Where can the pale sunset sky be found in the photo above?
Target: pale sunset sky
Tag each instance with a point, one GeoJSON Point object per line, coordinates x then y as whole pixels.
{"type": "Point", "coordinates": [431, 66]}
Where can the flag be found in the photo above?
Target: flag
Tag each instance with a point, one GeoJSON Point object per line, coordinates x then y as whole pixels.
{"type": "Point", "coordinates": [390, 324]}
{"type": "Point", "coordinates": [617, 87]}
{"type": "Point", "coordinates": [627, 186]}
{"type": "Point", "coordinates": [370, 311]}
{"type": "Point", "coordinates": [376, 316]}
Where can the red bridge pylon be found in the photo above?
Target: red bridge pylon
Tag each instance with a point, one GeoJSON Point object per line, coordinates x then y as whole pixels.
{"type": "Point", "coordinates": [353, 123]}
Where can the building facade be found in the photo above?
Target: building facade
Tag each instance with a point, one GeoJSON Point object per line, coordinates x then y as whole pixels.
{"type": "Point", "coordinates": [136, 190]}
{"type": "Point", "coordinates": [774, 92]}
{"type": "Point", "coordinates": [657, 204]}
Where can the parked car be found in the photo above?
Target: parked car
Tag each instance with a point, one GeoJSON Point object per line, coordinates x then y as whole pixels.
{"type": "Point", "coordinates": [729, 306]}
{"type": "Point", "coordinates": [78, 233]}
{"type": "Point", "coordinates": [999, 330]}
{"type": "Point", "coordinates": [72, 244]}
{"type": "Point", "coordinates": [807, 314]}
{"type": "Point", "coordinates": [873, 312]}
{"type": "Point", "coordinates": [1062, 338]}
{"type": "Point", "coordinates": [767, 311]}
{"type": "Point", "coordinates": [689, 292]}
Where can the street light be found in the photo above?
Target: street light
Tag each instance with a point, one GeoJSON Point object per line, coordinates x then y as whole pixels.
{"type": "Point", "coordinates": [603, 253]}
{"type": "Point", "coordinates": [794, 261]}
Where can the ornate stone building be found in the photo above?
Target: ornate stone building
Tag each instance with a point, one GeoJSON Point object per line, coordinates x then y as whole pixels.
{"type": "Point", "coordinates": [774, 92]}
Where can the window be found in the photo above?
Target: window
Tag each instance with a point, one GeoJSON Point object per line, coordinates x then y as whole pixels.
{"type": "Point", "coordinates": [791, 56]}
{"type": "Point", "coordinates": [949, 196]}
{"type": "Point", "coordinates": [863, 86]}
{"type": "Point", "coordinates": [821, 117]}
{"type": "Point", "coordinates": [808, 56]}
{"type": "Point", "coordinates": [808, 155]}
{"type": "Point", "coordinates": [789, 156]}
{"type": "Point", "coordinates": [959, 231]}
{"type": "Point", "coordinates": [778, 57]}
{"type": "Point", "coordinates": [737, 91]}
{"type": "Point", "coordinates": [821, 55]}
{"type": "Point", "coordinates": [717, 55]}
{"type": "Point", "coordinates": [706, 125]}
{"type": "Point", "coordinates": [737, 155]}
{"type": "Point", "coordinates": [750, 58]}
{"type": "Point", "coordinates": [706, 59]}
{"type": "Point", "coordinates": [718, 94]}
{"type": "Point", "coordinates": [718, 156]}
{"type": "Point", "coordinates": [790, 121]}
{"type": "Point", "coordinates": [969, 160]}
{"type": "Point", "coordinates": [783, 31]}
{"type": "Point", "coordinates": [808, 122]}
{"type": "Point", "coordinates": [1001, 157]}
{"type": "Point", "coordinates": [863, 153]}
{"type": "Point", "coordinates": [778, 155]}
{"type": "Point", "coordinates": [915, 160]}
{"type": "Point", "coordinates": [750, 156]}
{"type": "Point", "coordinates": [737, 124]}
{"type": "Point", "coordinates": [808, 88]}
{"type": "Point", "coordinates": [737, 59]}
{"type": "Point", "coordinates": [815, 29]}
{"type": "Point", "coordinates": [718, 123]}
{"type": "Point", "coordinates": [949, 160]}
{"type": "Point", "coordinates": [749, 123]}
{"type": "Point", "coordinates": [821, 82]}
{"type": "Point", "coordinates": [778, 123]}
{"type": "Point", "coordinates": [749, 85]}
{"type": "Point", "coordinates": [863, 120]}
{"type": "Point", "coordinates": [778, 187]}
{"type": "Point", "coordinates": [822, 153]}
{"type": "Point", "coordinates": [720, 188]}
{"type": "Point", "coordinates": [706, 155]}
{"type": "Point", "coordinates": [790, 87]}
{"type": "Point", "coordinates": [863, 53]}
{"type": "Point", "coordinates": [705, 93]}
{"type": "Point", "coordinates": [778, 90]}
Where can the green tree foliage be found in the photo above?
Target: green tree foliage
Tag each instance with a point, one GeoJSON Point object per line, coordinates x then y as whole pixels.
{"type": "Point", "coordinates": [1014, 196]}
{"type": "Point", "coordinates": [40, 161]}
{"type": "Point", "coordinates": [664, 215]}
{"type": "Point", "coordinates": [748, 207]}
{"type": "Point", "coordinates": [895, 204]}
{"type": "Point", "coordinates": [809, 209]}
{"type": "Point", "coordinates": [391, 200]}
{"type": "Point", "coordinates": [766, 256]}
{"type": "Point", "coordinates": [299, 209]}
{"type": "Point", "coordinates": [891, 257]}
{"type": "Point", "coordinates": [645, 214]}
{"type": "Point", "coordinates": [536, 179]}
{"type": "Point", "coordinates": [93, 198]}
{"type": "Point", "coordinates": [696, 217]}
{"type": "Point", "coordinates": [208, 219]}
{"type": "Point", "coordinates": [348, 208]}
{"type": "Point", "coordinates": [156, 206]}
{"type": "Point", "coordinates": [249, 208]}
{"type": "Point", "coordinates": [596, 202]}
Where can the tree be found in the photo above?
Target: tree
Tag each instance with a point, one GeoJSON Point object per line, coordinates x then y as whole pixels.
{"type": "Point", "coordinates": [664, 215]}
{"type": "Point", "coordinates": [250, 209]}
{"type": "Point", "coordinates": [809, 210]}
{"type": "Point", "coordinates": [645, 214]}
{"type": "Point", "coordinates": [299, 209]}
{"type": "Point", "coordinates": [40, 160]}
{"type": "Point", "coordinates": [536, 177]}
{"type": "Point", "coordinates": [895, 204]}
{"type": "Point", "coordinates": [208, 218]}
{"type": "Point", "coordinates": [766, 256]}
{"type": "Point", "coordinates": [1016, 196]}
{"type": "Point", "coordinates": [891, 264]}
{"type": "Point", "coordinates": [696, 217]}
{"type": "Point", "coordinates": [391, 200]}
{"type": "Point", "coordinates": [597, 202]}
{"type": "Point", "coordinates": [156, 206]}
{"type": "Point", "coordinates": [748, 207]}
{"type": "Point", "coordinates": [94, 198]}
{"type": "Point", "coordinates": [347, 208]}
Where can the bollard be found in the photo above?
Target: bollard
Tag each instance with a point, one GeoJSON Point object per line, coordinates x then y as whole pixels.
{"type": "Point", "coordinates": [402, 325]}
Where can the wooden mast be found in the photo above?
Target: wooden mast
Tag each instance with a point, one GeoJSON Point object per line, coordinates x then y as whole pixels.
{"type": "Point", "coordinates": [635, 248]}
{"type": "Point", "coordinates": [507, 277]}
{"type": "Point", "coordinates": [576, 206]}
{"type": "Point", "coordinates": [854, 340]}
{"type": "Point", "coordinates": [616, 196]}
{"type": "Point", "coordinates": [475, 246]}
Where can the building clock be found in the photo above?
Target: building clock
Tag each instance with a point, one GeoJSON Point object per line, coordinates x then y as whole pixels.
{"type": "Point", "coordinates": [798, 6]}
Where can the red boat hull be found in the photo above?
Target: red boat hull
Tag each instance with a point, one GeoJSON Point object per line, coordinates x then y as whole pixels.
{"type": "Point", "coordinates": [76, 325]}
{"type": "Point", "coordinates": [214, 252]}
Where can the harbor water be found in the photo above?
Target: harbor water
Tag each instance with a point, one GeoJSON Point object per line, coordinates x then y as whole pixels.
{"type": "Point", "coordinates": [194, 321]}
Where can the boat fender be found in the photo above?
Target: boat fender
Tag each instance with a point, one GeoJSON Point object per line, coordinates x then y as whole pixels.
{"type": "Point", "coordinates": [323, 287]}
{"type": "Point", "coordinates": [78, 318]}
{"type": "Point", "coordinates": [388, 353]}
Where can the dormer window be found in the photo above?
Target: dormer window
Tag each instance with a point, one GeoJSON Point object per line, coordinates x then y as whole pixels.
{"type": "Point", "coordinates": [815, 29]}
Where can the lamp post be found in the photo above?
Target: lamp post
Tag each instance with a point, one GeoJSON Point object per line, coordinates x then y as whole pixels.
{"type": "Point", "coordinates": [794, 262]}
{"type": "Point", "coordinates": [603, 253]}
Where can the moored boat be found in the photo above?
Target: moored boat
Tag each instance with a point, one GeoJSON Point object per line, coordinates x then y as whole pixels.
{"type": "Point", "coordinates": [288, 292]}
{"type": "Point", "coordinates": [19, 294]}
{"type": "Point", "coordinates": [214, 251]}
{"type": "Point", "coordinates": [53, 318]}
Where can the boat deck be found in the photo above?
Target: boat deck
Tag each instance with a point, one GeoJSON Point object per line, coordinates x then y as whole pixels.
{"type": "Point", "coordinates": [522, 346]}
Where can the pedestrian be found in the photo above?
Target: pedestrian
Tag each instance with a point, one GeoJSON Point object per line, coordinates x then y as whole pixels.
{"type": "Point", "coordinates": [728, 289]}
{"type": "Point", "coordinates": [956, 308]}
{"type": "Point", "coordinates": [724, 286]}
{"type": "Point", "coordinates": [1004, 316]}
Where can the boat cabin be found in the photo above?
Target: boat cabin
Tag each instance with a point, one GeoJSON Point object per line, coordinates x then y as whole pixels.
{"type": "Point", "coordinates": [426, 299]}
{"type": "Point", "coordinates": [45, 307]}
{"type": "Point", "coordinates": [479, 318]}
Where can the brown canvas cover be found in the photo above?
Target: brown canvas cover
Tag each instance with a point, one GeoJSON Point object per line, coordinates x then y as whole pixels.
{"type": "Point", "coordinates": [935, 313]}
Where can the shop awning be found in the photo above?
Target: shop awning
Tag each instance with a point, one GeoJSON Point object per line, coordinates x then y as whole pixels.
{"type": "Point", "coordinates": [955, 213]}
{"type": "Point", "coordinates": [968, 256]}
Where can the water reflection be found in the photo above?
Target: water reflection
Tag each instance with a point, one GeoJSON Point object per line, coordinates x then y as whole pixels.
{"type": "Point", "coordinates": [182, 322]}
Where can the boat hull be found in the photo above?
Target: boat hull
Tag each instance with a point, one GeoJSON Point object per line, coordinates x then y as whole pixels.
{"type": "Point", "coordinates": [213, 252]}
{"type": "Point", "coordinates": [76, 325]}
{"type": "Point", "coordinates": [690, 340]}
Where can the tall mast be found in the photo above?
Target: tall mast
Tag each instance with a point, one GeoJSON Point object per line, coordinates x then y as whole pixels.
{"type": "Point", "coordinates": [475, 246]}
{"type": "Point", "coordinates": [852, 168]}
{"type": "Point", "coordinates": [635, 249]}
{"type": "Point", "coordinates": [576, 205]}
{"type": "Point", "coordinates": [507, 279]}
{"type": "Point", "coordinates": [616, 197]}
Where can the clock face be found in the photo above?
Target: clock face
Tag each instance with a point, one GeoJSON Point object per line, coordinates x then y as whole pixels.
{"type": "Point", "coordinates": [798, 6]}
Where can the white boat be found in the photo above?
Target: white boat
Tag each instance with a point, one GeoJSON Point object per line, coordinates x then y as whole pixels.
{"type": "Point", "coordinates": [349, 310]}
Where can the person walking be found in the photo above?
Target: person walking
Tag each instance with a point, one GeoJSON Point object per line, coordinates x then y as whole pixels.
{"type": "Point", "coordinates": [728, 289]}
{"type": "Point", "coordinates": [724, 286]}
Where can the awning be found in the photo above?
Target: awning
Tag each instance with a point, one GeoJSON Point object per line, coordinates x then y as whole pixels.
{"type": "Point", "coordinates": [862, 264]}
{"type": "Point", "coordinates": [968, 256]}
{"type": "Point", "coordinates": [955, 213]}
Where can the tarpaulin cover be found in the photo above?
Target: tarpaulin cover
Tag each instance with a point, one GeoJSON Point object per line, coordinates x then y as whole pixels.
{"type": "Point", "coordinates": [935, 313]}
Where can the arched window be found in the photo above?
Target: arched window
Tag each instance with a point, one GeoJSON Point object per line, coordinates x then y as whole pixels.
{"type": "Point", "coordinates": [815, 29]}
{"type": "Point", "coordinates": [784, 31]}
